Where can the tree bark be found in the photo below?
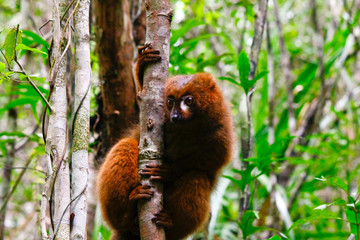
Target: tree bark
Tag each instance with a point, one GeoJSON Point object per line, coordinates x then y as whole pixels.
{"type": "Point", "coordinates": [81, 122]}
{"type": "Point", "coordinates": [115, 49]}
{"type": "Point", "coordinates": [138, 19]}
{"type": "Point", "coordinates": [152, 111]}
{"type": "Point", "coordinates": [56, 140]}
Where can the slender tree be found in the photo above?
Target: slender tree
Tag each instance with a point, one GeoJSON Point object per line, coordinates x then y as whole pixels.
{"type": "Point", "coordinates": [115, 48]}
{"type": "Point", "coordinates": [245, 102]}
{"type": "Point", "coordinates": [151, 145]}
{"type": "Point", "coordinates": [81, 109]}
{"type": "Point", "coordinates": [56, 139]}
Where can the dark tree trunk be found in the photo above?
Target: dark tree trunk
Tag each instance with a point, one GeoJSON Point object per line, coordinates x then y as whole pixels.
{"type": "Point", "coordinates": [115, 49]}
{"type": "Point", "coordinates": [138, 18]}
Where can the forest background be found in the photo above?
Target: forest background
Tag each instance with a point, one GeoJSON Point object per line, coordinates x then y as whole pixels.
{"type": "Point", "coordinates": [295, 171]}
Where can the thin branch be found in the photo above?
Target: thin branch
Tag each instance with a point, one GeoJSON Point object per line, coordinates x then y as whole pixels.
{"type": "Point", "coordinates": [258, 36]}
{"type": "Point", "coordinates": [8, 64]}
{"type": "Point", "coordinates": [69, 204]}
{"type": "Point", "coordinates": [34, 86]}
{"type": "Point", "coordinates": [49, 183]}
{"type": "Point", "coordinates": [17, 181]}
{"type": "Point", "coordinates": [66, 10]}
{"type": "Point", "coordinates": [26, 168]}
{"type": "Point", "coordinates": [297, 187]}
{"type": "Point", "coordinates": [79, 107]}
{"type": "Point", "coordinates": [48, 191]}
{"type": "Point", "coordinates": [26, 139]}
{"type": "Point", "coordinates": [46, 23]}
{"type": "Point", "coordinates": [57, 63]}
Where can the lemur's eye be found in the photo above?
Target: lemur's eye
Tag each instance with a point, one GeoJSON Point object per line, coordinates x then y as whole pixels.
{"type": "Point", "coordinates": [170, 102]}
{"type": "Point", "coordinates": [189, 101]}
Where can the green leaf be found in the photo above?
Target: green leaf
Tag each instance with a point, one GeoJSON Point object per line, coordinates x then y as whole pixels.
{"type": "Point", "coordinates": [202, 63]}
{"type": "Point", "coordinates": [339, 202]}
{"type": "Point", "coordinates": [338, 182]}
{"type": "Point", "coordinates": [317, 215]}
{"type": "Point", "coordinates": [20, 102]}
{"type": "Point", "coordinates": [24, 47]}
{"type": "Point", "coordinates": [186, 27]}
{"type": "Point", "coordinates": [2, 67]}
{"type": "Point", "coordinates": [246, 176]}
{"type": "Point", "coordinates": [36, 38]}
{"type": "Point", "coordinates": [260, 75]}
{"type": "Point", "coordinates": [230, 80]}
{"type": "Point", "coordinates": [243, 66]}
{"type": "Point", "coordinates": [354, 219]}
{"type": "Point", "coordinates": [3, 149]}
{"type": "Point", "coordinates": [354, 230]}
{"type": "Point", "coordinates": [351, 199]}
{"type": "Point", "coordinates": [198, 8]}
{"type": "Point", "coordinates": [197, 39]}
{"type": "Point", "coordinates": [246, 223]}
{"type": "Point", "coordinates": [9, 45]}
{"type": "Point", "coordinates": [12, 134]}
{"type": "Point", "coordinates": [104, 232]}
{"type": "Point", "coordinates": [275, 237]}
{"type": "Point", "coordinates": [352, 216]}
{"type": "Point", "coordinates": [244, 70]}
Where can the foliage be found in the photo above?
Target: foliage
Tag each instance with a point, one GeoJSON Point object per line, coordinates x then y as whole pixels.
{"type": "Point", "coordinates": [302, 187]}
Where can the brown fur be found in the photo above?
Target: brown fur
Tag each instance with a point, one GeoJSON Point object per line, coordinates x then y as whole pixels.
{"type": "Point", "coordinates": [196, 148]}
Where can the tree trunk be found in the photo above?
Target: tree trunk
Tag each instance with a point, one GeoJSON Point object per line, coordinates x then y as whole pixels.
{"type": "Point", "coordinates": [138, 19]}
{"type": "Point", "coordinates": [81, 122]}
{"type": "Point", "coordinates": [245, 102]}
{"type": "Point", "coordinates": [115, 49]}
{"type": "Point", "coordinates": [152, 117]}
{"type": "Point", "coordinates": [56, 140]}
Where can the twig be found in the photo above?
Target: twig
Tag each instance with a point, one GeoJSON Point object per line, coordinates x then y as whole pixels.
{"type": "Point", "coordinates": [66, 10]}
{"type": "Point", "coordinates": [78, 108]}
{"type": "Point", "coordinates": [34, 86]}
{"type": "Point", "coordinates": [298, 186]}
{"type": "Point", "coordinates": [49, 183]}
{"type": "Point", "coordinates": [69, 18]}
{"type": "Point", "coordinates": [48, 190]}
{"type": "Point", "coordinates": [57, 62]}
{"type": "Point", "coordinates": [2, 53]}
{"type": "Point", "coordinates": [26, 139]}
{"type": "Point", "coordinates": [17, 181]}
{"type": "Point", "coordinates": [27, 168]}
{"type": "Point", "coordinates": [69, 204]}
{"type": "Point", "coordinates": [46, 23]}
{"type": "Point", "coordinates": [258, 35]}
